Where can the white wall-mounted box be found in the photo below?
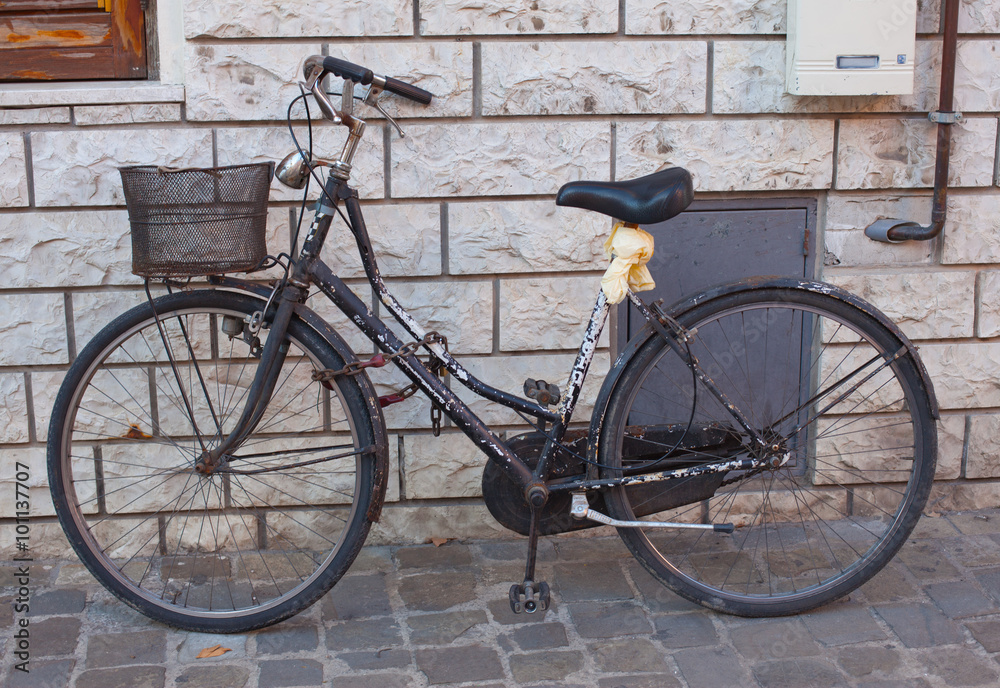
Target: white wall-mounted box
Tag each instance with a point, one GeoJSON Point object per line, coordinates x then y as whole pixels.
{"type": "Point", "coordinates": [850, 47]}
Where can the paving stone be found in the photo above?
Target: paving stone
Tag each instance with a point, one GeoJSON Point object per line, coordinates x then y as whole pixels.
{"type": "Point", "coordinates": [973, 550]}
{"type": "Point", "coordinates": [987, 633]}
{"type": "Point", "coordinates": [108, 612]}
{"type": "Point", "coordinates": [589, 548]}
{"type": "Point", "coordinates": [441, 629]}
{"type": "Point", "coordinates": [920, 625]}
{"type": "Point", "coordinates": [56, 635]}
{"type": "Point", "coordinates": [124, 677]}
{"type": "Point", "coordinates": [597, 580]}
{"type": "Point", "coordinates": [926, 560]}
{"type": "Point", "coordinates": [545, 666]}
{"type": "Point", "coordinates": [500, 610]}
{"type": "Point", "coordinates": [373, 558]}
{"type": "Point", "coordinates": [959, 667]}
{"type": "Point", "coordinates": [628, 654]}
{"type": "Point", "coordinates": [435, 592]}
{"type": "Point", "coordinates": [794, 673]}
{"type": "Point", "coordinates": [990, 580]}
{"type": "Point", "coordinates": [375, 660]}
{"type": "Point", "coordinates": [657, 596]}
{"type": "Point", "coordinates": [710, 668]}
{"type": "Point", "coordinates": [193, 643]}
{"type": "Point", "coordinates": [370, 633]}
{"type": "Point", "coordinates": [52, 673]}
{"type": "Point", "coordinates": [516, 551]}
{"type": "Point", "coordinates": [864, 660]}
{"type": "Point", "coordinates": [774, 640]}
{"type": "Point", "coordinates": [278, 673]}
{"type": "Point", "coordinates": [894, 683]}
{"type": "Point", "coordinates": [447, 556]}
{"type": "Point", "coordinates": [116, 649]}
{"type": "Point", "coordinates": [357, 597]}
{"type": "Point", "coordinates": [982, 522]}
{"type": "Point", "coordinates": [685, 630]}
{"type": "Point", "coordinates": [889, 585]}
{"type": "Point", "coordinates": [71, 575]}
{"type": "Point", "coordinates": [646, 681]}
{"type": "Point", "coordinates": [959, 599]}
{"type": "Point", "coordinates": [281, 639]}
{"type": "Point", "coordinates": [218, 676]}
{"type": "Point", "coordinates": [933, 527]}
{"type": "Point", "coordinates": [372, 681]}
{"type": "Point", "coordinates": [39, 575]}
{"type": "Point", "coordinates": [459, 664]}
{"type": "Point", "coordinates": [842, 624]}
{"type": "Point", "coordinates": [608, 619]}
{"type": "Point", "coordinates": [542, 636]}
{"type": "Point", "coordinates": [61, 601]}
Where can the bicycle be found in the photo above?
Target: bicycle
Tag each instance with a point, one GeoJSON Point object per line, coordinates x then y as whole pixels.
{"type": "Point", "coordinates": [217, 455]}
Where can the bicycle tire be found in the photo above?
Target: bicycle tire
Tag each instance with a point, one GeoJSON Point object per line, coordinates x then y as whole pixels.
{"type": "Point", "coordinates": [854, 422]}
{"type": "Point", "coordinates": [232, 551]}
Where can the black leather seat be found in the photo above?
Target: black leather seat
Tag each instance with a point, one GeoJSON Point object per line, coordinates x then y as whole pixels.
{"type": "Point", "coordinates": [643, 201]}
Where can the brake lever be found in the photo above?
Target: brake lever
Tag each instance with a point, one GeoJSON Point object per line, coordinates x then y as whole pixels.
{"type": "Point", "coordinates": [372, 99]}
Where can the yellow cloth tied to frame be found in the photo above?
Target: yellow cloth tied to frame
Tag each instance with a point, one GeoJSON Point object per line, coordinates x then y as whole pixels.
{"type": "Point", "coordinates": [631, 249]}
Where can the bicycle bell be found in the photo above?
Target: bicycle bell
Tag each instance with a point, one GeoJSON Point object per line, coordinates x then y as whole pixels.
{"type": "Point", "coordinates": [293, 171]}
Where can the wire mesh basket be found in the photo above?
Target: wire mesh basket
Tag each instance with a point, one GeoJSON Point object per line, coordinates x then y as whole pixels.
{"type": "Point", "coordinates": [197, 221]}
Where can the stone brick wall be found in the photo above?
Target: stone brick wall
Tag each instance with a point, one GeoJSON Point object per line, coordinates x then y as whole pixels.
{"type": "Point", "coordinates": [530, 94]}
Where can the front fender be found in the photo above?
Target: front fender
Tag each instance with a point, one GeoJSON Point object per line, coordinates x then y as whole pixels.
{"type": "Point", "coordinates": [681, 307]}
{"type": "Point", "coordinates": [333, 338]}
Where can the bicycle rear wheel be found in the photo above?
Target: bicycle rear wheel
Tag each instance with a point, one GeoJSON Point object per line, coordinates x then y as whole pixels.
{"type": "Point", "coordinates": [254, 542]}
{"type": "Point", "coordinates": [841, 397]}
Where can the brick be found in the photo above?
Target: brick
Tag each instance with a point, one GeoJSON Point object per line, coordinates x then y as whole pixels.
{"type": "Point", "coordinates": [633, 77]}
{"type": "Point", "coordinates": [276, 641]}
{"type": "Point", "coordinates": [224, 676]}
{"type": "Point", "coordinates": [548, 666]}
{"type": "Point", "coordinates": [982, 16]}
{"type": "Point", "coordinates": [879, 154]}
{"type": "Point", "coordinates": [459, 664]}
{"type": "Point", "coordinates": [37, 323]}
{"type": "Point", "coordinates": [963, 374]}
{"type": "Point", "coordinates": [434, 592]}
{"type": "Point", "coordinates": [973, 234]}
{"type": "Point", "coordinates": [842, 624]}
{"type": "Point", "coordinates": [704, 16]}
{"type": "Point", "coordinates": [608, 619]}
{"type": "Point", "coordinates": [731, 155]}
{"type": "Point", "coordinates": [628, 655]}
{"type": "Point", "coordinates": [43, 674]}
{"type": "Point", "coordinates": [125, 677]}
{"type": "Point", "coordinates": [14, 412]}
{"type": "Point", "coordinates": [450, 555]}
{"type": "Point", "coordinates": [594, 580]}
{"type": "Point", "coordinates": [406, 239]}
{"type": "Point", "coordinates": [278, 673]}
{"type": "Point", "coordinates": [925, 305]}
{"type": "Point", "coordinates": [115, 649]}
{"type": "Point", "coordinates": [523, 236]}
{"type": "Point", "coordinates": [445, 466]}
{"type": "Point", "coordinates": [960, 599]}
{"type": "Point", "coordinates": [848, 214]}
{"type": "Point", "coordinates": [295, 19]}
{"type": "Point", "coordinates": [48, 115]}
{"type": "Point", "coordinates": [442, 629]}
{"type": "Point", "coordinates": [244, 144]}
{"type": "Point", "coordinates": [920, 625]}
{"type": "Point", "coordinates": [989, 313]}
{"type": "Point", "coordinates": [13, 172]}
{"type": "Point", "coordinates": [446, 17]}
{"type": "Point", "coordinates": [750, 78]}
{"type": "Point", "coordinates": [357, 597]}
{"type": "Point", "coordinates": [546, 314]}
{"type": "Point", "coordinates": [956, 666]}
{"type": "Point", "coordinates": [524, 158]}
{"type": "Point", "coordinates": [791, 673]}
{"type": "Point", "coordinates": [705, 667]}
{"type": "Point", "coordinates": [413, 524]}
{"type": "Point", "coordinates": [461, 311]}
{"type": "Point", "coordinates": [66, 249]}
{"type": "Point", "coordinates": [81, 167]}
{"type": "Point", "coordinates": [129, 113]}
{"type": "Point", "coordinates": [977, 84]}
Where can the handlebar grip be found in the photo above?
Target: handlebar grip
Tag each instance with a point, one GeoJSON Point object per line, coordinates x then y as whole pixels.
{"type": "Point", "coordinates": [406, 90]}
{"type": "Point", "coordinates": [347, 70]}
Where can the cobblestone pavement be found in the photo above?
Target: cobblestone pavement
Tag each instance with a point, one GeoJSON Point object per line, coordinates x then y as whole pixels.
{"type": "Point", "coordinates": [419, 616]}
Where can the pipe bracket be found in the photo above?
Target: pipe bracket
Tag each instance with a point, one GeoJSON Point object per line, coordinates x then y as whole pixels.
{"type": "Point", "coordinates": [939, 117]}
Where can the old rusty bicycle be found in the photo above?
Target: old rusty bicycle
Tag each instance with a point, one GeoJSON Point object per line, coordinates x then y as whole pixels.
{"type": "Point", "coordinates": [218, 454]}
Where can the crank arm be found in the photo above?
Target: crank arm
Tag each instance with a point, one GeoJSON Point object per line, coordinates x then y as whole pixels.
{"type": "Point", "coordinates": [580, 509]}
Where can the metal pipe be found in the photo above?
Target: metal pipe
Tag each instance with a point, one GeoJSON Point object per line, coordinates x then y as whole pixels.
{"type": "Point", "coordinates": [896, 231]}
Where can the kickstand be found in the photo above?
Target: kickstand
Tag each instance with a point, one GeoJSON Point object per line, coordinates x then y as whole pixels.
{"type": "Point", "coordinates": [530, 596]}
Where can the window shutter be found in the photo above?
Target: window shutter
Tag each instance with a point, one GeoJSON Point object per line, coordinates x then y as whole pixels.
{"type": "Point", "coordinates": [72, 39]}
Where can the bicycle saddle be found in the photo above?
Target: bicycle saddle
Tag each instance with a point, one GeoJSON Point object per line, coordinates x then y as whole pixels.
{"type": "Point", "coordinates": [643, 201]}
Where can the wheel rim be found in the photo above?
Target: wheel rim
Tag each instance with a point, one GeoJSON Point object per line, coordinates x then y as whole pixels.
{"type": "Point", "coordinates": [228, 545]}
{"type": "Point", "coordinates": [812, 527]}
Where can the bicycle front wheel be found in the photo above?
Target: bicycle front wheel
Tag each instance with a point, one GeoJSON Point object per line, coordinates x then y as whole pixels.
{"type": "Point", "coordinates": [852, 447]}
{"type": "Point", "coordinates": [252, 543]}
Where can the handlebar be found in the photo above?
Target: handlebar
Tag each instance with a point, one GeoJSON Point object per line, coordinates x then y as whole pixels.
{"type": "Point", "coordinates": [362, 75]}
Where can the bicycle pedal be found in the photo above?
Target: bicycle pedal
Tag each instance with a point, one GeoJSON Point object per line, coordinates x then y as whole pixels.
{"type": "Point", "coordinates": [542, 392]}
{"type": "Point", "coordinates": [527, 598]}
